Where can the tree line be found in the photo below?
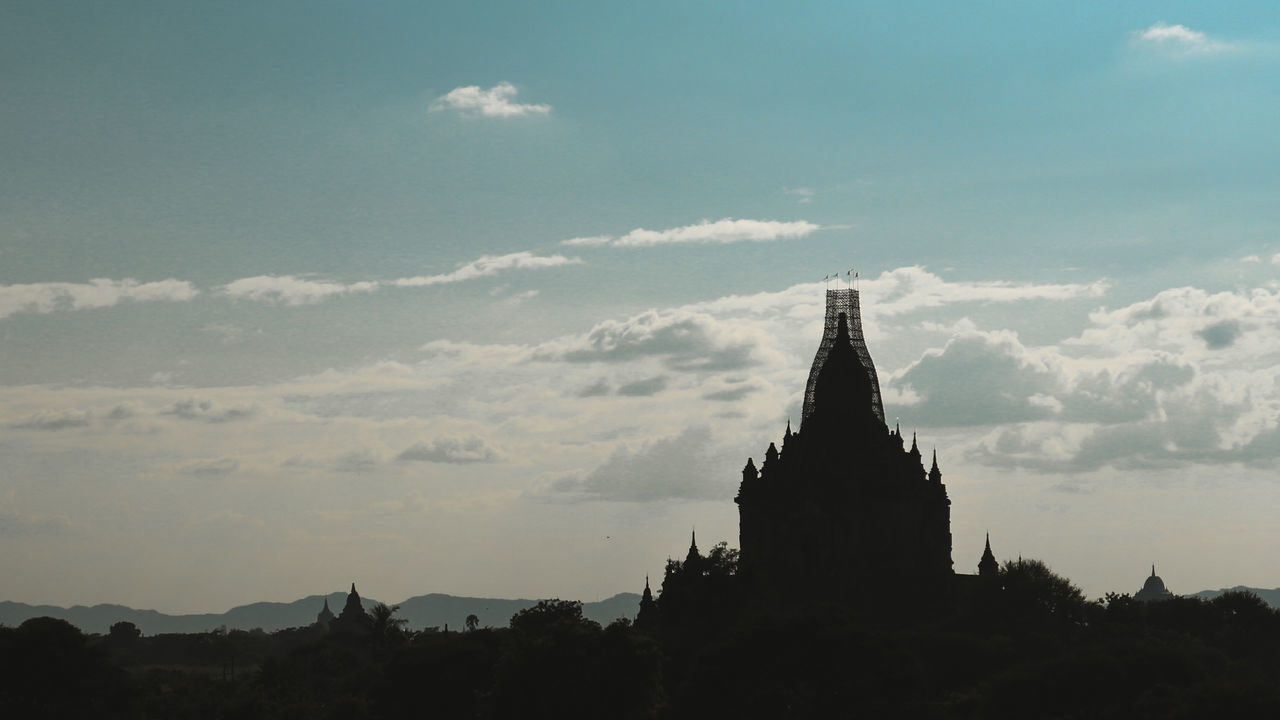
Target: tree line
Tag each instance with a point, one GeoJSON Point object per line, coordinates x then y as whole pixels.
{"type": "Point", "coordinates": [1025, 643]}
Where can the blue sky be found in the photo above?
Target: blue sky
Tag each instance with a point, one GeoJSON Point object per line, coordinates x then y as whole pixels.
{"type": "Point", "coordinates": [437, 298]}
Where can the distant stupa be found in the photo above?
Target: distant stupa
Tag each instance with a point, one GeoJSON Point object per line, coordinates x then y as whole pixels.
{"type": "Point", "coordinates": [1153, 590]}
{"type": "Point", "coordinates": [325, 617]}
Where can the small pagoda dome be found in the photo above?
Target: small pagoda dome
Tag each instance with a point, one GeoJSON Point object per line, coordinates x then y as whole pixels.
{"type": "Point", "coordinates": [1153, 589]}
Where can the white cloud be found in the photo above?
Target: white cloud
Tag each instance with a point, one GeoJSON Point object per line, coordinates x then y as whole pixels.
{"type": "Point", "coordinates": [1187, 377]}
{"type": "Point", "coordinates": [1180, 39]}
{"type": "Point", "coordinates": [727, 230]}
{"type": "Point", "coordinates": [497, 101]}
{"type": "Point", "coordinates": [683, 340]}
{"type": "Point", "coordinates": [290, 289]}
{"type": "Point", "coordinates": [592, 241]}
{"type": "Point", "coordinates": [1275, 259]}
{"type": "Point", "coordinates": [295, 290]}
{"type": "Point", "coordinates": [803, 195]}
{"type": "Point", "coordinates": [487, 265]}
{"type": "Point", "coordinates": [97, 293]}
{"type": "Point", "coordinates": [898, 292]}
{"type": "Point", "coordinates": [908, 289]}
{"type": "Point", "coordinates": [723, 231]}
{"type": "Point", "coordinates": [681, 466]}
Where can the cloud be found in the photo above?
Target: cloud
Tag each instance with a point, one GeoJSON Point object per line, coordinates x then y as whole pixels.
{"type": "Point", "coordinates": [56, 421]}
{"type": "Point", "coordinates": [290, 289]}
{"type": "Point", "coordinates": [909, 289]}
{"type": "Point", "coordinates": [497, 101]}
{"type": "Point", "coordinates": [206, 411]}
{"type": "Point", "coordinates": [727, 230]}
{"type": "Point", "coordinates": [684, 340]}
{"type": "Point", "coordinates": [1179, 39]}
{"type": "Point", "coordinates": [1275, 259]}
{"type": "Point", "coordinates": [487, 265]}
{"type": "Point", "coordinates": [97, 293]}
{"type": "Point", "coordinates": [678, 467]}
{"type": "Point", "coordinates": [295, 290]}
{"type": "Point", "coordinates": [592, 241]}
{"type": "Point", "coordinates": [802, 195]}
{"type": "Point", "coordinates": [225, 332]}
{"type": "Point", "coordinates": [1220, 334]}
{"type": "Point", "coordinates": [977, 379]}
{"type": "Point", "coordinates": [644, 388]}
{"type": "Point", "coordinates": [121, 412]}
{"type": "Point", "coordinates": [1185, 377]}
{"type": "Point", "coordinates": [991, 378]}
{"type": "Point", "coordinates": [356, 461]}
{"type": "Point", "coordinates": [221, 466]}
{"type": "Point", "coordinates": [450, 450]}
{"type": "Point", "coordinates": [732, 394]}
{"type": "Point", "coordinates": [595, 389]}
{"type": "Point", "coordinates": [723, 231]}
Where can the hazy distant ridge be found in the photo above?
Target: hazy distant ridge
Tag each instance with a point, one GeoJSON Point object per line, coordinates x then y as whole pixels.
{"type": "Point", "coordinates": [435, 609]}
{"type": "Point", "coordinates": [1272, 597]}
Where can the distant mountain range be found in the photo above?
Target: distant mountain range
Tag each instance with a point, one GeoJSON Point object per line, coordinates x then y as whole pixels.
{"type": "Point", "coordinates": [1272, 597]}
{"type": "Point", "coordinates": [434, 610]}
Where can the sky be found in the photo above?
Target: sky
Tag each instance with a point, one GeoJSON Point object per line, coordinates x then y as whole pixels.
{"type": "Point", "coordinates": [496, 299]}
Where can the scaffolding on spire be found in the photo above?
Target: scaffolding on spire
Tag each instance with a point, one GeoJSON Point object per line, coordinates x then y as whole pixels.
{"type": "Point", "coordinates": [843, 301]}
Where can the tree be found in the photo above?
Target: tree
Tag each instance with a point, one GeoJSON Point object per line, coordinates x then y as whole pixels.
{"type": "Point", "coordinates": [1034, 592]}
{"type": "Point", "coordinates": [386, 627]}
{"type": "Point", "coordinates": [124, 633]}
{"type": "Point", "coordinates": [473, 622]}
{"type": "Point", "coordinates": [551, 616]}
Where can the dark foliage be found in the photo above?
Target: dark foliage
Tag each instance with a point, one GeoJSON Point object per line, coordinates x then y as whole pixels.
{"type": "Point", "coordinates": [1025, 645]}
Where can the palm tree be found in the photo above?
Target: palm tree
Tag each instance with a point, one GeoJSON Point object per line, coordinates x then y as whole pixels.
{"type": "Point", "coordinates": [385, 627]}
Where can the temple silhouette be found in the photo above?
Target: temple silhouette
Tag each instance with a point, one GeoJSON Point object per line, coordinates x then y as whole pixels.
{"type": "Point", "coordinates": [844, 507]}
{"type": "Point", "coordinates": [1153, 590]}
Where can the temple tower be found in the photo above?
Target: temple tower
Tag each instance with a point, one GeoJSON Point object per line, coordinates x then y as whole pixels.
{"type": "Point", "coordinates": [844, 510]}
{"type": "Point", "coordinates": [843, 301]}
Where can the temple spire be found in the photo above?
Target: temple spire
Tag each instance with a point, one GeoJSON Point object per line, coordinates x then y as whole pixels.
{"type": "Point", "coordinates": [987, 566]}
{"type": "Point", "coordinates": [694, 558]}
{"type": "Point", "coordinates": [843, 313]}
{"type": "Point", "coordinates": [935, 475]}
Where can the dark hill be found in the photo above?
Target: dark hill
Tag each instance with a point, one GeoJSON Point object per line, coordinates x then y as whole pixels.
{"type": "Point", "coordinates": [434, 610]}
{"type": "Point", "coordinates": [1272, 597]}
